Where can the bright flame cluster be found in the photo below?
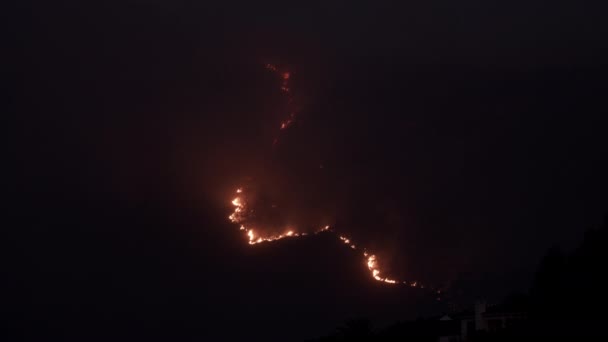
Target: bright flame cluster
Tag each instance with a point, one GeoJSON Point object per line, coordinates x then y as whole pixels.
{"type": "Point", "coordinates": [239, 216]}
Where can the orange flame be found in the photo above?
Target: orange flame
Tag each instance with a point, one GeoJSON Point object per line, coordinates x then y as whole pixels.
{"type": "Point", "coordinates": [254, 238]}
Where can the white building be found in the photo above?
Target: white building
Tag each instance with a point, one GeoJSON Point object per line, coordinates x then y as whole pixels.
{"type": "Point", "coordinates": [488, 319]}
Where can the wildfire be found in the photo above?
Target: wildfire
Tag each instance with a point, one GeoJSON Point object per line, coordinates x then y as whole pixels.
{"type": "Point", "coordinates": [285, 87]}
{"type": "Point", "coordinates": [237, 216]}
{"type": "Point", "coordinates": [255, 238]}
{"type": "Point", "coordinates": [241, 212]}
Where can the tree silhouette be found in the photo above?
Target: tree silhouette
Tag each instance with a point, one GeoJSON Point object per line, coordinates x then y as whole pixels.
{"type": "Point", "coordinates": [568, 294]}
{"type": "Point", "coordinates": [360, 328]}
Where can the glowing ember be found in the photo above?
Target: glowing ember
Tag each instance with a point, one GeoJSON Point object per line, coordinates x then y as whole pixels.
{"type": "Point", "coordinates": [289, 121]}
{"type": "Point", "coordinates": [285, 87]}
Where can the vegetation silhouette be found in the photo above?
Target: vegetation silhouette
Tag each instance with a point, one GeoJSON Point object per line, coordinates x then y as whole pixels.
{"type": "Point", "coordinates": [567, 299]}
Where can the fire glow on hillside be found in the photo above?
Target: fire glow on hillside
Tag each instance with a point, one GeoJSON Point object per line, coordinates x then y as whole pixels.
{"type": "Point", "coordinates": [243, 211]}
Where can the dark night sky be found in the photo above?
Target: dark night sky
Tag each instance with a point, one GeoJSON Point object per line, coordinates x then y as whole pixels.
{"type": "Point", "coordinates": [459, 139]}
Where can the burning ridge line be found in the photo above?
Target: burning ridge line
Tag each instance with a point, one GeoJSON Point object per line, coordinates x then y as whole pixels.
{"type": "Point", "coordinates": [240, 213]}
